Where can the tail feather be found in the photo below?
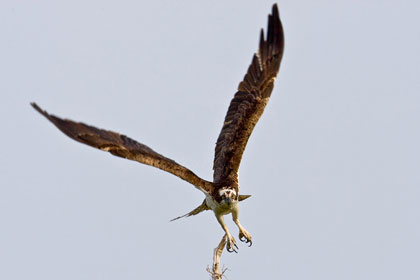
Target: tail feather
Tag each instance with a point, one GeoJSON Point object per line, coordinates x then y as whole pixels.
{"type": "Point", "coordinates": [243, 196]}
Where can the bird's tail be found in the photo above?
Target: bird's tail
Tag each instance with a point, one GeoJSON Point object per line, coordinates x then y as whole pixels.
{"type": "Point", "coordinates": [243, 196]}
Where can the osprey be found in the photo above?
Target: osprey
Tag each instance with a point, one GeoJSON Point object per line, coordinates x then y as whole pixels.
{"type": "Point", "coordinates": [221, 195]}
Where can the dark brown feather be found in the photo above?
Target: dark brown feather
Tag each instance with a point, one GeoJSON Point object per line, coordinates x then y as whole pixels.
{"type": "Point", "coordinates": [203, 207]}
{"type": "Point", "coordinates": [123, 146]}
{"type": "Point", "coordinates": [249, 102]}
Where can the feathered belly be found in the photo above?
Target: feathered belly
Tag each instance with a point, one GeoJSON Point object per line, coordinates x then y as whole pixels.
{"type": "Point", "coordinates": [220, 208]}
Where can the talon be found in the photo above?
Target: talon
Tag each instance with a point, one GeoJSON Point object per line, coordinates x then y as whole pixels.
{"type": "Point", "coordinates": [245, 237]}
{"type": "Point", "coordinates": [231, 250]}
{"type": "Point", "coordinates": [231, 245]}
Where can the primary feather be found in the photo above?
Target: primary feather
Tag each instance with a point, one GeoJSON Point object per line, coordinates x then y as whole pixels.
{"type": "Point", "coordinates": [249, 102]}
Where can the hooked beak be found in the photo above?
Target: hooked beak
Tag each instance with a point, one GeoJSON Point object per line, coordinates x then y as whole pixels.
{"type": "Point", "coordinates": [228, 201]}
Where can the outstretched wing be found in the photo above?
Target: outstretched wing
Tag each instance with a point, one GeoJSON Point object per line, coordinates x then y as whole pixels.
{"type": "Point", "coordinates": [249, 102]}
{"type": "Point", "coordinates": [122, 146]}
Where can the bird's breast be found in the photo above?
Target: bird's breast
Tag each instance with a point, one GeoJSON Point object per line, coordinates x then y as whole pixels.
{"type": "Point", "coordinates": [220, 208]}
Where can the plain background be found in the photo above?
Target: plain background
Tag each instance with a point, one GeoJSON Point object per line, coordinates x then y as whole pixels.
{"type": "Point", "coordinates": [333, 164]}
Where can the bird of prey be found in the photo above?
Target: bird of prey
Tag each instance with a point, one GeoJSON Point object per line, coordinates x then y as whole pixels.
{"type": "Point", "coordinates": [222, 195]}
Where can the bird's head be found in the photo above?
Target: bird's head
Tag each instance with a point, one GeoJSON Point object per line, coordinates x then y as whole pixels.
{"type": "Point", "coordinates": [228, 195]}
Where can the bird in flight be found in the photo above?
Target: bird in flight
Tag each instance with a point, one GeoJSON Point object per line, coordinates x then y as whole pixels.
{"type": "Point", "coordinates": [222, 195]}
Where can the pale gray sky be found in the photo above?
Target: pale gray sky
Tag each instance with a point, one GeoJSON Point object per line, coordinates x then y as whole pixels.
{"type": "Point", "coordinates": [333, 164]}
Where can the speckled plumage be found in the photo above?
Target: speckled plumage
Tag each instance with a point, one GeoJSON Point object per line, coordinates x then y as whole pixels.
{"type": "Point", "coordinates": [245, 109]}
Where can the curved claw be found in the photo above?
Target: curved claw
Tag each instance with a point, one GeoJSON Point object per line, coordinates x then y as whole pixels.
{"type": "Point", "coordinates": [235, 246]}
{"type": "Point", "coordinates": [250, 243]}
{"type": "Point", "coordinates": [231, 245]}
{"type": "Point", "coordinates": [231, 249]}
{"type": "Point", "coordinates": [246, 241]}
{"type": "Point", "coordinates": [245, 237]}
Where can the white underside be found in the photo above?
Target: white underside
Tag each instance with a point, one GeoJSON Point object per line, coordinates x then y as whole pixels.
{"type": "Point", "coordinates": [220, 208]}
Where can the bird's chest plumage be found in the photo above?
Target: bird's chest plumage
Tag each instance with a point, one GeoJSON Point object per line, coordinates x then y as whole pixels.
{"type": "Point", "coordinates": [220, 208]}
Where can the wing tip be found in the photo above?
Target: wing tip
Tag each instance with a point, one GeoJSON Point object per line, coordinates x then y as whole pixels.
{"type": "Point", "coordinates": [36, 107]}
{"type": "Point", "coordinates": [275, 10]}
{"type": "Point", "coordinates": [275, 33]}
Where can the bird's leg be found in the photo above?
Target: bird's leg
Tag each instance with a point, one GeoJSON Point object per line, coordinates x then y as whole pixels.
{"type": "Point", "coordinates": [230, 241]}
{"type": "Point", "coordinates": [244, 236]}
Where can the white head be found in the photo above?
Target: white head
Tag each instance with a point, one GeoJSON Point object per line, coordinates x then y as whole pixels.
{"type": "Point", "coordinates": [228, 195]}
